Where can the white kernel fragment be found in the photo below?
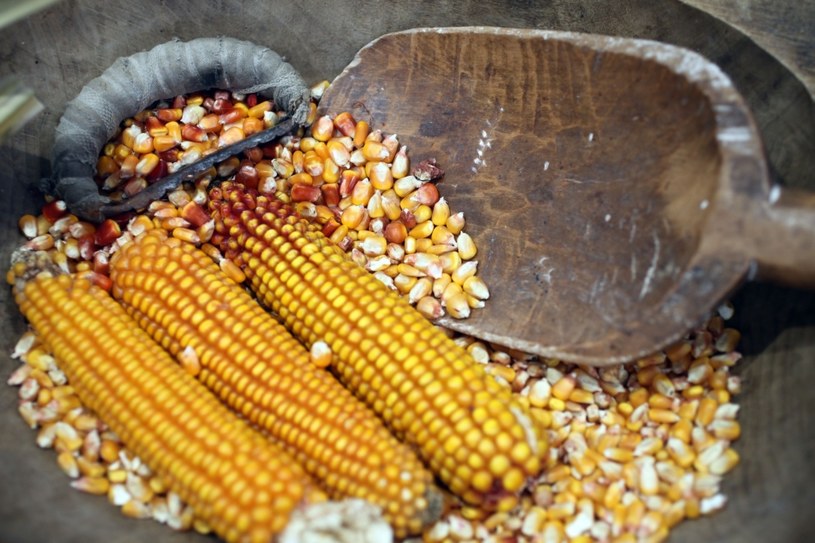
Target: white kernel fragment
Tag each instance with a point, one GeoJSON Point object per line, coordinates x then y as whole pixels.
{"type": "Point", "coordinates": [24, 344]}
{"type": "Point", "coordinates": [460, 528]}
{"type": "Point", "coordinates": [439, 532]}
{"type": "Point", "coordinates": [188, 359]}
{"type": "Point", "coordinates": [19, 376]}
{"type": "Point", "coordinates": [346, 521]}
{"type": "Point", "coordinates": [320, 354]}
{"type": "Point", "coordinates": [385, 279]}
{"type": "Point", "coordinates": [192, 114]}
{"type": "Point", "coordinates": [712, 504]}
{"type": "Point", "coordinates": [118, 494]}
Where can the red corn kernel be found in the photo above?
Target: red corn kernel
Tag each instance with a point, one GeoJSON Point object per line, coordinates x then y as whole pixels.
{"type": "Point", "coordinates": [305, 193]}
{"type": "Point", "coordinates": [269, 150]}
{"type": "Point", "coordinates": [348, 181]}
{"type": "Point", "coordinates": [395, 232]}
{"type": "Point", "coordinates": [107, 233]}
{"type": "Point", "coordinates": [158, 172]}
{"type": "Point", "coordinates": [254, 154]}
{"type": "Point", "coordinates": [54, 210]}
{"type": "Point", "coordinates": [169, 114]}
{"type": "Point", "coordinates": [248, 176]}
{"type": "Point", "coordinates": [232, 116]}
{"type": "Point", "coordinates": [170, 155]}
{"type": "Point", "coordinates": [101, 263]}
{"type": "Point", "coordinates": [331, 194]}
{"type": "Point", "coordinates": [87, 245]}
{"type": "Point", "coordinates": [193, 133]}
{"type": "Point", "coordinates": [408, 219]}
{"type": "Point", "coordinates": [180, 102]}
{"type": "Point", "coordinates": [221, 105]}
{"type": "Point", "coordinates": [195, 214]}
{"type": "Point", "coordinates": [427, 194]}
{"type": "Point", "coordinates": [330, 227]}
{"type": "Point", "coordinates": [252, 100]}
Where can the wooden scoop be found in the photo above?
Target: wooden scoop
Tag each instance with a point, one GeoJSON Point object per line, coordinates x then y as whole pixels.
{"type": "Point", "coordinates": [616, 188]}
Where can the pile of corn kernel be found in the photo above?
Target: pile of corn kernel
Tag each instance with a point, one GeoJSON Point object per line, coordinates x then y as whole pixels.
{"type": "Point", "coordinates": [635, 449]}
{"type": "Point", "coordinates": [359, 186]}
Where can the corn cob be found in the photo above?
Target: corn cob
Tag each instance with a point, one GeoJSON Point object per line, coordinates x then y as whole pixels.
{"type": "Point", "coordinates": [235, 480]}
{"type": "Point", "coordinates": [473, 434]}
{"type": "Point", "coordinates": [177, 293]}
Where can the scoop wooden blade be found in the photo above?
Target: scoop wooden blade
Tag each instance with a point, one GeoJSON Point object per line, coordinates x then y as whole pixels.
{"type": "Point", "coordinates": [590, 171]}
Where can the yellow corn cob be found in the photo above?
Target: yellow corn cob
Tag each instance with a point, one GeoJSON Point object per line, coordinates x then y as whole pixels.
{"type": "Point", "coordinates": [471, 431]}
{"type": "Point", "coordinates": [177, 293]}
{"type": "Point", "coordinates": [235, 480]}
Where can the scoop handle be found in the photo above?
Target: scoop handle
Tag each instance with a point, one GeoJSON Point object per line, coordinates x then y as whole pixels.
{"type": "Point", "coordinates": [780, 236]}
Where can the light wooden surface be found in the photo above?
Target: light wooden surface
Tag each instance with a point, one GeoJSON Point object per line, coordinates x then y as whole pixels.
{"type": "Point", "coordinates": [771, 493]}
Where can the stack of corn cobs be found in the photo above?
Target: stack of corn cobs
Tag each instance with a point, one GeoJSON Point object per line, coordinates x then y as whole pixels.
{"type": "Point", "coordinates": [218, 416]}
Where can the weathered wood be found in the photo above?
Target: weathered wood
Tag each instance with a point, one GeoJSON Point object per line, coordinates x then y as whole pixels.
{"type": "Point", "coordinates": [617, 188]}
{"type": "Point", "coordinates": [785, 29]}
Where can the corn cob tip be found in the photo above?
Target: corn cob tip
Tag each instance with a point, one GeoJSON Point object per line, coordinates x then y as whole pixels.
{"type": "Point", "coordinates": [435, 507]}
{"type": "Point", "coordinates": [26, 264]}
{"type": "Point", "coordinates": [343, 521]}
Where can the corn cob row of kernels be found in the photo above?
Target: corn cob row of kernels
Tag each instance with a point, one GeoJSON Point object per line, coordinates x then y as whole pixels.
{"type": "Point", "coordinates": [256, 367]}
{"type": "Point", "coordinates": [616, 472]}
{"type": "Point", "coordinates": [473, 434]}
{"type": "Point", "coordinates": [243, 486]}
{"type": "Point", "coordinates": [91, 454]}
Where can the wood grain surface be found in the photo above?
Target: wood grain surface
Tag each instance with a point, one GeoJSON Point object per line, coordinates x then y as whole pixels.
{"type": "Point", "coordinates": [785, 29]}
{"type": "Point", "coordinates": [618, 185]}
{"type": "Point", "coordinates": [55, 51]}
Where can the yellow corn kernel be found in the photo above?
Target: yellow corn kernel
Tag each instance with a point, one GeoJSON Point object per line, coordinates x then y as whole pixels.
{"type": "Point", "coordinates": [403, 488]}
{"type": "Point", "coordinates": [466, 246]}
{"type": "Point", "coordinates": [111, 362]}
{"type": "Point", "coordinates": [662, 416]}
{"type": "Point", "coordinates": [564, 387]}
{"type": "Point", "coordinates": [455, 223]}
{"type": "Point", "coordinates": [724, 463]}
{"type": "Point", "coordinates": [618, 454]}
{"type": "Point", "coordinates": [682, 454]}
{"type": "Point", "coordinates": [706, 411]}
{"type": "Point", "coordinates": [578, 395]}
{"type": "Point", "coordinates": [92, 485]}
{"type": "Point", "coordinates": [433, 373]}
{"type": "Point", "coordinates": [725, 429]}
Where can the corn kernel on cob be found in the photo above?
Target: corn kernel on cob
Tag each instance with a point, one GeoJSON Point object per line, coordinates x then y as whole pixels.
{"type": "Point", "coordinates": [238, 482]}
{"type": "Point", "coordinates": [178, 294]}
{"type": "Point", "coordinates": [472, 433]}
